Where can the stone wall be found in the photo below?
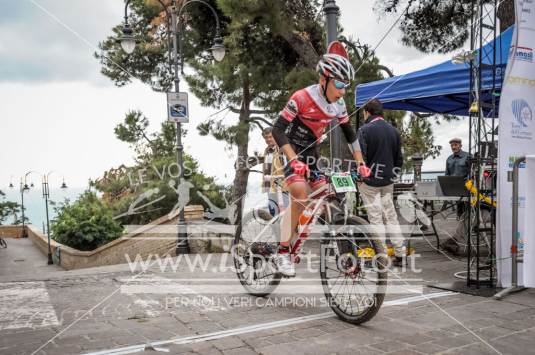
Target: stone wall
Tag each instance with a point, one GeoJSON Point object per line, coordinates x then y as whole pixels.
{"type": "Point", "coordinates": [158, 238]}
{"type": "Point", "coordinates": [11, 231]}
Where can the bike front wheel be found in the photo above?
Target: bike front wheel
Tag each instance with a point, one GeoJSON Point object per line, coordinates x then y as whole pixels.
{"type": "Point", "coordinates": [252, 251]}
{"type": "Point", "coordinates": [353, 271]}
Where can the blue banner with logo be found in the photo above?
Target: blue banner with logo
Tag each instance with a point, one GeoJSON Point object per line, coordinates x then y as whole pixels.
{"type": "Point", "coordinates": [516, 138]}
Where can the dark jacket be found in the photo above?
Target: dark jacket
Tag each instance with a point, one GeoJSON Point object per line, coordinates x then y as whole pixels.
{"type": "Point", "coordinates": [458, 164]}
{"type": "Point", "coordinates": [380, 143]}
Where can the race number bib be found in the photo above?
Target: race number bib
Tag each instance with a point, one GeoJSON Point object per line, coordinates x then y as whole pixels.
{"type": "Point", "coordinates": [343, 183]}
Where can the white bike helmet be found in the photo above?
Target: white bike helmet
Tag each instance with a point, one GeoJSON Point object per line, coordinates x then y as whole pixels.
{"type": "Point", "coordinates": [336, 66]}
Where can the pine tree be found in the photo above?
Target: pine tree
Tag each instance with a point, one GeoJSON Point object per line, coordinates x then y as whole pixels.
{"type": "Point", "coordinates": [440, 25]}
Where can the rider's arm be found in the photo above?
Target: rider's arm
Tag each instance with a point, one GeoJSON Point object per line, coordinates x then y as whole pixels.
{"type": "Point", "coordinates": [287, 115]}
{"type": "Point", "coordinates": [352, 141]}
{"type": "Point", "coordinates": [279, 134]}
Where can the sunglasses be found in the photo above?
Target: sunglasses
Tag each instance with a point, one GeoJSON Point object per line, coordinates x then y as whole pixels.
{"type": "Point", "coordinates": [340, 84]}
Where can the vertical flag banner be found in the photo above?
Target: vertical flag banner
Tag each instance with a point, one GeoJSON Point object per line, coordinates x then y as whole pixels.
{"type": "Point", "coordinates": [516, 137]}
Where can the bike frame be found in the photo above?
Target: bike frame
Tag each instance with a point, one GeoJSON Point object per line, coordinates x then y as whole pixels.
{"type": "Point", "coordinates": [319, 204]}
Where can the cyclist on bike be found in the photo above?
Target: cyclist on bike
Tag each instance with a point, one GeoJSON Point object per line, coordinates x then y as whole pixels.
{"type": "Point", "coordinates": [298, 131]}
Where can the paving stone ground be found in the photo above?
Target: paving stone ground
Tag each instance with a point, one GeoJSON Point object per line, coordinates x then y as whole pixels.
{"type": "Point", "coordinates": [87, 311]}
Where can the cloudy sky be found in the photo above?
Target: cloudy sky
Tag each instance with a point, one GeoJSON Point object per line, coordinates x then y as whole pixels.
{"type": "Point", "coordinates": [57, 111]}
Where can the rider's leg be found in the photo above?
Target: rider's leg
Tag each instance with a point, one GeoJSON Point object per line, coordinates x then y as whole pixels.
{"type": "Point", "coordinates": [298, 187]}
{"type": "Point", "coordinates": [290, 219]}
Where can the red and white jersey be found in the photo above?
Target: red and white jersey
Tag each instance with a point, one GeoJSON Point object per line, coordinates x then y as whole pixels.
{"type": "Point", "coordinates": [311, 109]}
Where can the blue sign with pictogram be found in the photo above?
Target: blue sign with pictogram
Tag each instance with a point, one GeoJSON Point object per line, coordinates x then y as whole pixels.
{"type": "Point", "coordinates": [177, 107]}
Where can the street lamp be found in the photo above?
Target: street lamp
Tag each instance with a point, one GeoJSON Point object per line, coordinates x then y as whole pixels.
{"type": "Point", "coordinates": [23, 187]}
{"type": "Point", "coordinates": [128, 42]}
{"type": "Point", "coordinates": [417, 162]}
{"type": "Point", "coordinates": [176, 57]}
{"type": "Point", "coordinates": [46, 195]}
{"type": "Point", "coordinates": [218, 49]}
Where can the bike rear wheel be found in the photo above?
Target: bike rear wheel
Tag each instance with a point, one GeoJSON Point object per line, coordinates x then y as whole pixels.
{"type": "Point", "coordinates": [353, 271]}
{"type": "Point", "coordinates": [252, 251]}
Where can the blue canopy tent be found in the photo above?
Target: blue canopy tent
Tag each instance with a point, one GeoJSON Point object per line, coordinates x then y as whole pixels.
{"type": "Point", "coordinates": [442, 88]}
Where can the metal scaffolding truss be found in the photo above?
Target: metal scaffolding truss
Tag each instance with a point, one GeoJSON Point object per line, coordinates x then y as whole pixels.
{"type": "Point", "coordinates": [482, 145]}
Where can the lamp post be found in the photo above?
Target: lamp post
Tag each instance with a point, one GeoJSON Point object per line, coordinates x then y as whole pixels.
{"type": "Point", "coordinates": [23, 187]}
{"type": "Point", "coordinates": [417, 162]}
{"type": "Point", "coordinates": [46, 195]}
{"type": "Point", "coordinates": [331, 11]}
{"type": "Point", "coordinates": [176, 60]}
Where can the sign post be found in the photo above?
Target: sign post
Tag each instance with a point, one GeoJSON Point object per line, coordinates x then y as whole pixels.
{"type": "Point", "coordinates": [177, 107]}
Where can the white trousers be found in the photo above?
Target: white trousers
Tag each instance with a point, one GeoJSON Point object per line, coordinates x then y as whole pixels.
{"type": "Point", "coordinates": [379, 203]}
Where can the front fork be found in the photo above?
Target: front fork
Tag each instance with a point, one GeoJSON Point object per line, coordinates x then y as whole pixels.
{"type": "Point", "coordinates": [343, 249]}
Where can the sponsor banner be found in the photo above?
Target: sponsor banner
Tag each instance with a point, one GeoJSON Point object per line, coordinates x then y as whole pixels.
{"type": "Point", "coordinates": [522, 53]}
{"type": "Point", "coordinates": [516, 139]}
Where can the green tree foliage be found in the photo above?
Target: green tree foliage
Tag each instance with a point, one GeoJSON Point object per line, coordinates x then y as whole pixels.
{"type": "Point", "coordinates": [146, 191]}
{"type": "Point", "coordinates": [10, 210]}
{"type": "Point", "coordinates": [417, 136]}
{"type": "Point", "coordinates": [85, 224]}
{"type": "Point", "coordinates": [439, 25]}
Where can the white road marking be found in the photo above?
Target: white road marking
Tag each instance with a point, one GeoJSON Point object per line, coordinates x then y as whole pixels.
{"type": "Point", "coordinates": [257, 327]}
{"type": "Point", "coordinates": [25, 305]}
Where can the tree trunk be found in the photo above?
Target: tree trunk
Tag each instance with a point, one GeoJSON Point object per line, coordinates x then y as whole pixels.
{"type": "Point", "coordinates": [506, 14]}
{"type": "Point", "coordinates": [242, 171]}
{"type": "Point", "coordinates": [302, 46]}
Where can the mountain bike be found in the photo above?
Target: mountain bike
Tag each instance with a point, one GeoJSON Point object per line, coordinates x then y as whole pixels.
{"type": "Point", "coordinates": [353, 263]}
